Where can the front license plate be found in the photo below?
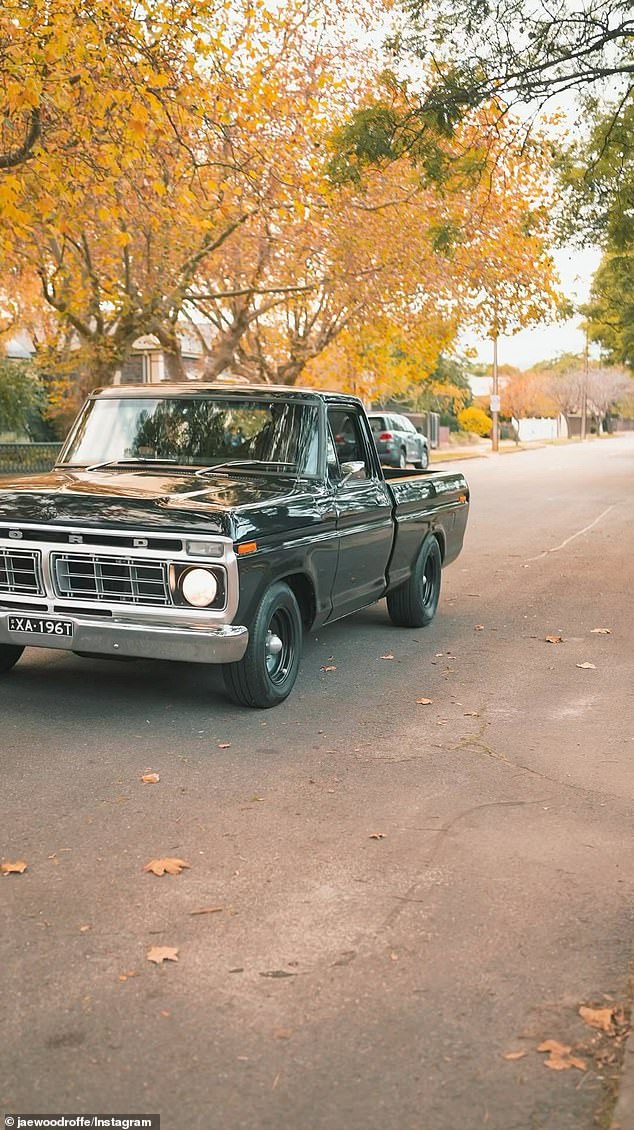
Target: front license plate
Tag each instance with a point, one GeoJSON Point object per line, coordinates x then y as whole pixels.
{"type": "Point", "coordinates": [40, 626]}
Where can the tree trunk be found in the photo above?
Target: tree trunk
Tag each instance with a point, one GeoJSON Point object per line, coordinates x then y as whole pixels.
{"type": "Point", "coordinates": [172, 355]}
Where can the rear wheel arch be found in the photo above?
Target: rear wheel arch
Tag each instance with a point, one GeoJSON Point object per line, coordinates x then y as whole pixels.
{"type": "Point", "coordinates": [439, 535]}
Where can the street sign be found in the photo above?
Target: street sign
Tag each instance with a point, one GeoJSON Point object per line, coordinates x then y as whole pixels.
{"type": "Point", "coordinates": [495, 404]}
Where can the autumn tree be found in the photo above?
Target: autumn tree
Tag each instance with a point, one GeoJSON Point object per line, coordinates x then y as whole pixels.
{"type": "Point", "coordinates": [227, 202]}
{"type": "Point", "coordinates": [82, 85]}
{"type": "Point", "coordinates": [389, 263]}
{"type": "Point", "coordinates": [526, 394]}
{"type": "Point", "coordinates": [209, 138]}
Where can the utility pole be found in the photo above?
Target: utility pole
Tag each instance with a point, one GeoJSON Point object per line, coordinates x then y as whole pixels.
{"type": "Point", "coordinates": [584, 391]}
{"type": "Point", "coordinates": [495, 394]}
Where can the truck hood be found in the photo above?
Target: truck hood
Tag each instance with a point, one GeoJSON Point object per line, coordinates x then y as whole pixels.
{"type": "Point", "coordinates": [147, 499]}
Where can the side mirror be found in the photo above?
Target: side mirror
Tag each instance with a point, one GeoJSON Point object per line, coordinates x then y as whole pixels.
{"type": "Point", "coordinates": [351, 470]}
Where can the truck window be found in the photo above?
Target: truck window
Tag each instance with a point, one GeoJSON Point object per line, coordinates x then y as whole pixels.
{"type": "Point", "coordinates": [347, 438]}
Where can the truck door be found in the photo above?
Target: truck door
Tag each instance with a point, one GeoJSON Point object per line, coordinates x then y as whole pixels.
{"type": "Point", "coordinates": [364, 512]}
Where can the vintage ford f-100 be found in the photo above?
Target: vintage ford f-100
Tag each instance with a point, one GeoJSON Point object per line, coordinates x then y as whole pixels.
{"type": "Point", "coordinates": [213, 523]}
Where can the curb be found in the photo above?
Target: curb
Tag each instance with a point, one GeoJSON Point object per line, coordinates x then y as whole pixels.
{"type": "Point", "coordinates": [623, 1118]}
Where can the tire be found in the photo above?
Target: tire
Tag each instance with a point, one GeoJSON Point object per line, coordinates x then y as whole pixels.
{"type": "Point", "coordinates": [423, 462]}
{"type": "Point", "coordinates": [414, 604]}
{"type": "Point", "coordinates": [402, 459]}
{"type": "Point", "coordinates": [264, 677]}
{"type": "Point", "coordinates": [9, 656]}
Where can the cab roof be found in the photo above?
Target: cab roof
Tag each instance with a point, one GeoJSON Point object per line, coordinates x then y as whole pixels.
{"type": "Point", "coordinates": [221, 388]}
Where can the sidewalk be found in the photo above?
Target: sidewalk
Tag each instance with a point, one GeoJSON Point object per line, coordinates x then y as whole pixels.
{"type": "Point", "coordinates": [482, 449]}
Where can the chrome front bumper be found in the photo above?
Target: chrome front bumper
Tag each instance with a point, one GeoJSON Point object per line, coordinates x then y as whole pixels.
{"type": "Point", "coordinates": [225, 644]}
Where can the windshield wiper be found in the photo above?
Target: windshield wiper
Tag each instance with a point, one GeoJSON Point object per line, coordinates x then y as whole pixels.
{"type": "Point", "coordinates": [229, 463]}
{"type": "Point", "coordinates": [133, 463]}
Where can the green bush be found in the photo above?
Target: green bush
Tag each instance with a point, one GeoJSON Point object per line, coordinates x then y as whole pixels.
{"type": "Point", "coordinates": [21, 397]}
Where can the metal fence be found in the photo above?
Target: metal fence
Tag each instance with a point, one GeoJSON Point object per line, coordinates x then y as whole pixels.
{"type": "Point", "coordinates": [27, 458]}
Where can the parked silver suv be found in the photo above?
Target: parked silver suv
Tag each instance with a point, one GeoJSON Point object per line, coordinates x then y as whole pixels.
{"type": "Point", "coordinates": [398, 443]}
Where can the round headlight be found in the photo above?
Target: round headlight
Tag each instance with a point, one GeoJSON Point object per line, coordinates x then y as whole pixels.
{"type": "Point", "coordinates": [199, 587]}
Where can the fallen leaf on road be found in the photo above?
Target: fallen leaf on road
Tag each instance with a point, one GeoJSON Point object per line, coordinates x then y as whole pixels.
{"type": "Point", "coordinates": [84, 929]}
{"type": "Point", "coordinates": [18, 867]}
{"type": "Point", "coordinates": [388, 655]}
{"type": "Point", "coordinates": [277, 973]}
{"type": "Point", "coordinates": [283, 1033]}
{"type": "Point", "coordinates": [166, 866]}
{"type": "Point", "coordinates": [424, 701]}
{"type": "Point", "coordinates": [207, 910]}
{"type": "Point", "coordinates": [478, 627]}
{"type": "Point", "coordinates": [224, 745]}
{"type": "Point", "coordinates": [560, 1058]}
{"type": "Point", "coordinates": [377, 836]}
{"type": "Point", "coordinates": [554, 639]}
{"type": "Point", "coordinates": [150, 778]}
{"type": "Point", "coordinates": [554, 1046]}
{"type": "Point", "coordinates": [601, 631]}
{"type": "Point", "coordinates": [128, 974]}
{"type": "Point", "coordinates": [159, 954]}
{"type": "Point", "coordinates": [598, 1018]}
{"type": "Point", "coordinates": [328, 667]}
{"type": "Point", "coordinates": [471, 714]}
{"type": "Point", "coordinates": [564, 1064]}
{"type": "Point", "coordinates": [587, 666]}
{"type": "Point", "coordinates": [514, 1055]}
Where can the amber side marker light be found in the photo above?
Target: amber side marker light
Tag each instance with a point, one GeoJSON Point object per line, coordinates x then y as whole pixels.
{"type": "Point", "coordinates": [247, 547]}
{"type": "Point", "coordinates": [462, 498]}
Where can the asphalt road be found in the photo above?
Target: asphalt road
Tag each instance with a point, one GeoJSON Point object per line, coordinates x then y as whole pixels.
{"type": "Point", "coordinates": [406, 892]}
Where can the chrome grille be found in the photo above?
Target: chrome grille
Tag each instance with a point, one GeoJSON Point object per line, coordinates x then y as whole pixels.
{"type": "Point", "coordinates": [20, 571]}
{"type": "Point", "coordinates": [113, 580]}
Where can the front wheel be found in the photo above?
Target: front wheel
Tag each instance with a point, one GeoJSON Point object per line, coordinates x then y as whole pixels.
{"type": "Point", "coordinates": [414, 603]}
{"type": "Point", "coordinates": [9, 656]}
{"type": "Point", "coordinates": [266, 674]}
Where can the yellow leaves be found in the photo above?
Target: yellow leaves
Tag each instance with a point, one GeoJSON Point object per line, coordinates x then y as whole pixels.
{"type": "Point", "coordinates": [17, 867]}
{"type": "Point", "coordinates": [601, 1018]}
{"type": "Point", "coordinates": [560, 1057]}
{"type": "Point", "coordinates": [167, 866]}
{"type": "Point", "coordinates": [159, 954]}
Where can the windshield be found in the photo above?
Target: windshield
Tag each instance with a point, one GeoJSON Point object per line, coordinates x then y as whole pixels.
{"type": "Point", "coordinates": [280, 436]}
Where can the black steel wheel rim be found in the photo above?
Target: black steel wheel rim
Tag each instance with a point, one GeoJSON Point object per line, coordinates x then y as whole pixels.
{"type": "Point", "coordinates": [429, 581]}
{"type": "Point", "coordinates": [279, 646]}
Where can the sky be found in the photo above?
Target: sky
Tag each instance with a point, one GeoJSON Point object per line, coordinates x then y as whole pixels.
{"type": "Point", "coordinates": [549, 340]}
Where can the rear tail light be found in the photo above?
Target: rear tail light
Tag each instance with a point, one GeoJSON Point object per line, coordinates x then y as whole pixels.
{"type": "Point", "coordinates": [386, 435]}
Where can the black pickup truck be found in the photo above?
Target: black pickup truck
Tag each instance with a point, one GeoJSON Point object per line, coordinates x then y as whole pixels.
{"type": "Point", "coordinates": [214, 523]}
